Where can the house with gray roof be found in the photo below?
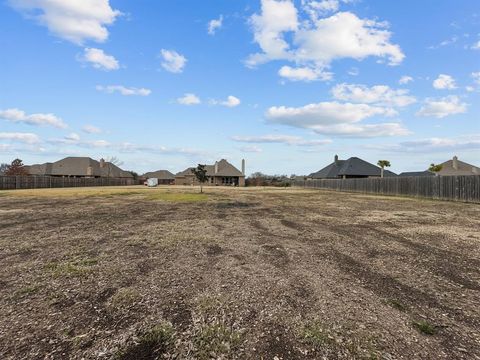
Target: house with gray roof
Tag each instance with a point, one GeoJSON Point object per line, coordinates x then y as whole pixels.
{"type": "Point", "coordinates": [220, 173]}
{"type": "Point", "coordinates": [164, 177]}
{"type": "Point", "coordinates": [353, 167]}
{"type": "Point", "coordinates": [78, 167]}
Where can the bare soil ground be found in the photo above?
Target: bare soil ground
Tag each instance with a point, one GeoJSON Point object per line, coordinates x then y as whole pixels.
{"type": "Point", "coordinates": [135, 273]}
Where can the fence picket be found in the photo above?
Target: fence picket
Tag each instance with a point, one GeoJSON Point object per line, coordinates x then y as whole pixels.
{"type": "Point", "coordinates": [36, 182]}
{"type": "Point", "coordinates": [455, 188]}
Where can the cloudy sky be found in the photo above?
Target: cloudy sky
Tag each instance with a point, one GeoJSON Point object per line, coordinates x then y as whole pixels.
{"type": "Point", "coordinates": [284, 84]}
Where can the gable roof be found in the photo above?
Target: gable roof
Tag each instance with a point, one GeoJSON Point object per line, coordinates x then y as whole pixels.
{"type": "Point", "coordinates": [353, 166]}
{"type": "Point", "coordinates": [160, 174]}
{"type": "Point", "coordinates": [224, 168]}
{"type": "Point", "coordinates": [78, 166]}
{"type": "Point", "coordinates": [457, 167]}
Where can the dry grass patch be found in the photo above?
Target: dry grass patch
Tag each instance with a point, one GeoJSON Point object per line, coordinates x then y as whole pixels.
{"type": "Point", "coordinates": [125, 297]}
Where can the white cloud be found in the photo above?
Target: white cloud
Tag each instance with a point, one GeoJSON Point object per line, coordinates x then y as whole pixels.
{"type": "Point", "coordinates": [72, 20]}
{"type": "Point", "coordinates": [325, 113]}
{"type": "Point", "coordinates": [476, 46]}
{"type": "Point", "coordinates": [405, 80]}
{"type": "Point", "coordinates": [189, 99]}
{"type": "Point", "coordinates": [251, 149]}
{"type": "Point", "coordinates": [268, 27]}
{"type": "Point", "coordinates": [304, 74]}
{"type": "Point", "coordinates": [316, 43]}
{"type": "Point", "coordinates": [281, 139]}
{"type": "Point", "coordinates": [73, 137]}
{"type": "Point", "coordinates": [470, 88]}
{"type": "Point", "coordinates": [334, 118]}
{"type": "Point", "coordinates": [19, 116]}
{"type": "Point", "coordinates": [316, 8]}
{"type": "Point", "coordinates": [215, 24]}
{"type": "Point", "coordinates": [442, 144]}
{"type": "Point", "coordinates": [476, 77]}
{"type": "Point", "coordinates": [110, 89]}
{"type": "Point", "coordinates": [435, 144]}
{"type": "Point", "coordinates": [363, 130]}
{"type": "Point", "coordinates": [99, 60]}
{"type": "Point", "coordinates": [172, 61]}
{"type": "Point", "coordinates": [231, 101]}
{"type": "Point", "coordinates": [90, 129]}
{"type": "Point", "coordinates": [442, 107]}
{"type": "Point", "coordinates": [378, 94]}
{"type": "Point", "coordinates": [27, 138]}
{"type": "Point", "coordinates": [446, 42]}
{"type": "Point", "coordinates": [444, 82]}
{"type": "Point", "coordinates": [353, 71]}
{"type": "Point", "coordinates": [344, 35]}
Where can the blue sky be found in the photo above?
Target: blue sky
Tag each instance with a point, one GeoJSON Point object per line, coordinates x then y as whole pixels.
{"type": "Point", "coordinates": [284, 84]}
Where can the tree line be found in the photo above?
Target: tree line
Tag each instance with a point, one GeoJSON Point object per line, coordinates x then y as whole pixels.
{"type": "Point", "coordinates": [16, 167]}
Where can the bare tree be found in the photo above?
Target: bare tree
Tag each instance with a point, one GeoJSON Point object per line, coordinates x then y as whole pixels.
{"type": "Point", "coordinates": [114, 161]}
{"type": "Point", "coordinates": [3, 168]}
{"type": "Point", "coordinates": [16, 168]}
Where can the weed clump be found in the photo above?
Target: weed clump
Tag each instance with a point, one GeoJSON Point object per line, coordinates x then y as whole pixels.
{"type": "Point", "coordinates": [424, 327]}
{"type": "Point", "coordinates": [151, 344]}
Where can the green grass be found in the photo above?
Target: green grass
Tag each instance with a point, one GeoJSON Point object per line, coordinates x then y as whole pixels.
{"type": "Point", "coordinates": [396, 304]}
{"type": "Point", "coordinates": [424, 327]}
{"type": "Point", "coordinates": [314, 334]}
{"type": "Point", "coordinates": [152, 344]}
{"type": "Point", "coordinates": [215, 340]}
{"type": "Point", "coordinates": [26, 291]}
{"type": "Point", "coordinates": [77, 268]}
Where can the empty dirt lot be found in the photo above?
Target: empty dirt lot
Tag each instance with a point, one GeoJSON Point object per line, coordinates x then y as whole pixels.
{"type": "Point", "coordinates": [137, 273]}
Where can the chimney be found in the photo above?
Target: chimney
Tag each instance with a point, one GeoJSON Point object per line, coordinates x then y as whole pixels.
{"type": "Point", "coordinates": [102, 163]}
{"type": "Point", "coordinates": [335, 159]}
{"type": "Point", "coordinates": [455, 163]}
{"type": "Point", "coordinates": [216, 167]}
{"type": "Point", "coordinates": [243, 166]}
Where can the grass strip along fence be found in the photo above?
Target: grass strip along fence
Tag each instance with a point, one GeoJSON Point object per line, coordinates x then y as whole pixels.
{"type": "Point", "coordinates": [40, 182]}
{"type": "Point", "coordinates": [454, 188]}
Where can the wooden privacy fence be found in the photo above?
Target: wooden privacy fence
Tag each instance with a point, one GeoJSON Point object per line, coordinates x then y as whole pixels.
{"type": "Point", "coordinates": [456, 188]}
{"type": "Point", "coordinates": [37, 182]}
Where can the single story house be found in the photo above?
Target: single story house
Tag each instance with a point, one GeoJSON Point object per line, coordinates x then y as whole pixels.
{"type": "Point", "coordinates": [449, 168]}
{"type": "Point", "coordinates": [353, 167]}
{"type": "Point", "coordinates": [78, 167]}
{"type": "Point", "coordinates": [164, 177]}
{"type": "Point", "coordinates": [220, 173]}
{"type": "Point", "coordinates": [457, 167]}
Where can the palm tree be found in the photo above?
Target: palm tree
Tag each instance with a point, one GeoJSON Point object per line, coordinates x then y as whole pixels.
{"type": "Point", "coordinates": [383, 164]}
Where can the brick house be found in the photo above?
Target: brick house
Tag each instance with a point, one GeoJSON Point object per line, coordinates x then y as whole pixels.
{"type": "Point", "coordinates": [221, 173]}
{"type": "Point", "coordinates": [78, 167]}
